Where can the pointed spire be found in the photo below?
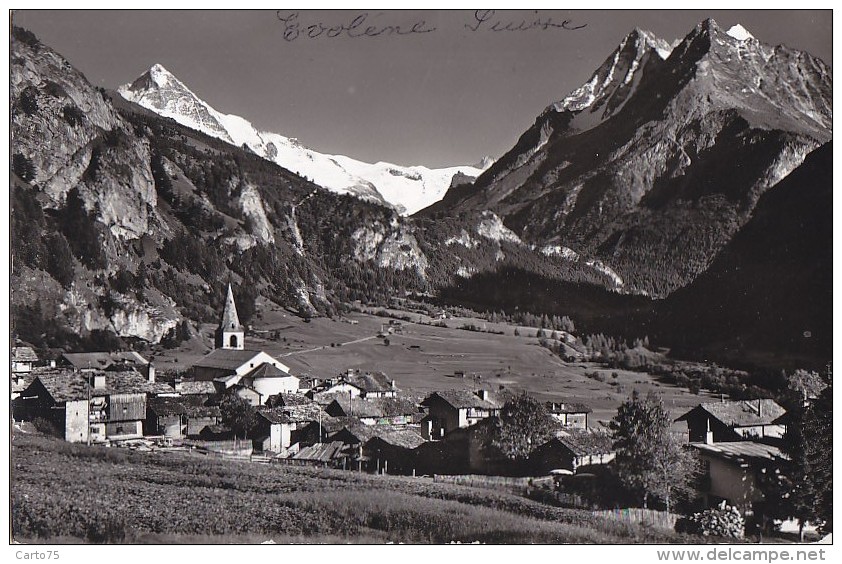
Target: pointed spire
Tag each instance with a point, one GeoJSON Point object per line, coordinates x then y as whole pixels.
{"type": "Point", "coordinates": [230, 319]}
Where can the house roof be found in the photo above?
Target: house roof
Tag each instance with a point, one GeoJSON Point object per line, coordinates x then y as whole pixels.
{"type": "Point", "coordinates": [67, 385]}
{"type": "Point", "coordinates": [230, 320]}
{"type": "Point", "coordinates": [371, 382]}
{"type": "Point", "coordinates": [567, 407]}
{"type": "Point", "coordinates": [102, 360]}
{"type": "Point", "coordinates": [742, 451]}
{"type": "Point", "coordinates": [287, 399]}
{"type": "Point", "coordinates": [226, 359]}
{"type": "Point", "coordinates": [460, 399]}
{"type": "Point", "coordinates": [583, 442]}
{"type": "Point", "coordinates": [304, 413]}
{"type": "Point", "coordinates": [24, 354]}
{"type": "Point", "coordinates": [267, 370]}
{"type": "Point", "coordinates": [322, 452]}
{"type": "Point", "coordinates": [741, 413]}
{"type": "Point", "coordinates": [166, 406]}
{"type": "Point", "coordinates": [202, 410]}
{"type": "Point", "coordinates": [406, 438]}
{"type": "Point", "coordinates": [197, 387]}
{"type": "Point", "coordinates": [326, 398]}
{"type": "Point", "coordinates": [274, 415]}
{"type": "Point", "coordinates": [375, 407]}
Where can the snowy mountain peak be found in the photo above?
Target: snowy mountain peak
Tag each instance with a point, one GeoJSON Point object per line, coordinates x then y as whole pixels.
{"type": "Point", "coordinates": [405, 188]}
{"type": "Point", "coordinates": [614, 81]}
{"type": "Point", "coordinates": [739, 33]}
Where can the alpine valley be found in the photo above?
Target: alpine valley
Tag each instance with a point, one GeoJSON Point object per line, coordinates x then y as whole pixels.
{"type": "Point", "coordinates": [660, 198]}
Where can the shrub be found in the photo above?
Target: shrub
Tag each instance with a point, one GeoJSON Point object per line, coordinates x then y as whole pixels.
{"type": "Point", "coordinates": [724, 521]}
{"type": "Point", "coordinates": [73, 115]}
{"type": "Point", "coordinates": [23, 167]}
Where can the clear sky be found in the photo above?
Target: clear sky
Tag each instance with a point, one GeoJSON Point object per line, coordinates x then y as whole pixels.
{"type": "Point", "coordinates": [442, 95]}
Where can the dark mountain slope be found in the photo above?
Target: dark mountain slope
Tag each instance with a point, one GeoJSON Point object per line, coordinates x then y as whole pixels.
{"type": "Point", "coordinates": [767, 298]}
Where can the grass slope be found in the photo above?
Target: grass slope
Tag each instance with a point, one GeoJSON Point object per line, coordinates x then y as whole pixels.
{"type": "Point", "coordinates": [66, 491]}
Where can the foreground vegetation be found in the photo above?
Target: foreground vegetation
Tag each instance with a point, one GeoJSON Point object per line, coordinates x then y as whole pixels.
{"type": "Point", "coordinates": [95, 494]}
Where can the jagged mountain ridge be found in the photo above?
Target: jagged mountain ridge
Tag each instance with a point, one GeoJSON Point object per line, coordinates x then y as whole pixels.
{"type": "Point", "coordinates": [126, 222]}
{"type": "Point", "coordinates": [655, 163]}
{"type": "Point", "coordinates": [407, 188]}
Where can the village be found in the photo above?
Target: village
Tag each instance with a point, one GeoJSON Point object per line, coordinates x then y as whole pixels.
{"type": "Point", "coordinates": [244, 404]}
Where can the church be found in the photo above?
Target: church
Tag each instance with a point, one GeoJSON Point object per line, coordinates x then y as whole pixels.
{"type": "Point", "coordinates": [255, 373]}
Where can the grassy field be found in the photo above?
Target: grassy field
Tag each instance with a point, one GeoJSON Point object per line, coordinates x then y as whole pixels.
{"type": "Point", "coordinates": [65, 492]}
{"type": "Point", "coordinates": [426, 357]}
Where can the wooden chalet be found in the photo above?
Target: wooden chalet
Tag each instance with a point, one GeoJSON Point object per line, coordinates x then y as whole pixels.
{"type": "Point", "coordinates": [733, 471]}
{"type": "Point", "coordinates": [23, 359]}
{"type": "Point", "coordinates": [375, 411]}
{"type": "Point", "coordinates": [573, 450]}
{"type": "Point", "coordinates": [91, 406]}
{"type": "Point", "coordinates": [455, 409]}
{"type": "Point", "coordinates": [734, 420]}
{"type": "Point", "coordinates": [569, 414]}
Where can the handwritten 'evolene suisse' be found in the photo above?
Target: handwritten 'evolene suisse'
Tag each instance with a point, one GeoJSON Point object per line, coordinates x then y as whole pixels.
{"type": "Point", "coordinates": [365, 25]}
{"type": "Point", "coordinates": [485, 20]}
{"type": "Point", "coordinates": [362, 25]}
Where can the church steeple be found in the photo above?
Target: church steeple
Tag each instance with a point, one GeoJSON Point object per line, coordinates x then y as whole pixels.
{"type": "Point", "coordinates": [230, 334]}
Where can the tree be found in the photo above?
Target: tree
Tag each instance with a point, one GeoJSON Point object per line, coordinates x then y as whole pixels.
{"type": "Point", "coordinates": [238, 414]}
{"type": "Point", "coordinates": [523, 425]}
{"type": "Point", "coordinates": [650, 460]}
{"type": "Point", "coordinates": [803, 489]}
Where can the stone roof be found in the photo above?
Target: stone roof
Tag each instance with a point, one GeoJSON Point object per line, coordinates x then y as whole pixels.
{"type": "Point", "coordinates": [166, 406]}
{"type": "Point", "coordinates": [583, 442]}
{"type": "Point", "coordinates": [67, 385]}
{"type": "Point", "coordinates": [24, 354]}
{"type": "Point", "coordinates": [230, 320]}
{"type": "Point", "coordinates": [460, 399]}
{"type": "Point", "coordinates": [288, 399]}
{"type": "Point", "coordinates": [189, 387]}
{"type": "Point", "coordinates": [742, 451]}
{"type": "Point", "coordinates": [304, 413]}
{"type": "Point", "coordinates": [741, 413]}
{"type": "Point", "coordinates": [405, 438]}
{"type": "Point", "coordinates": [274, 415]}
{"type": "Point", "coordinates": [371, 382]}
{"type": "Point", "coordinates": [375, 407]}
{"type": "Point", "coordinates": [102, 360]}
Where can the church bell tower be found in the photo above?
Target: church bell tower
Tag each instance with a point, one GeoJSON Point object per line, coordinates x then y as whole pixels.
{"type": "Point", "coordinates": [230, 334]}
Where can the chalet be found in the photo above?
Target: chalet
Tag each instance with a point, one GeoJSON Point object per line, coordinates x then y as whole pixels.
{"type": "Point", "coordinates": [364, 385]}
{"type": "Point", "coordinates": [455, 409]}
{"type": "Point", "coordinates": [273, 431]}
{"type": "Point", "coordinates": [465, 450]}
{"type": "Point", "coordinates": [376, 411]}
{"type": "Point", "coordinates": [288, 400]}
{"type": "Point", "coordinates": [165, 416]}
{"type": "Point", "coordinates": [194, 388]}
{"type": "Point", "coordinates": [569, 414]}
{"type": "Point", "coordinates": [733, 471]}
{"type": "Point", "coordinates": [392, 451]}
{"type": "Point", "coordinates": [332, 455]}
{"type": "Point", "coordinates": [573, 449]}
{"type": "Point", "coordinates": [22, 359]}
{"type": "Point", "coordinates": [91, 406]}
{"type": "Point", "coordinates": [180, 417]}
{"type": "Point", "coordinates": [247, 393]}
{"type": "Point", "coordinates": [93, 361]}
{"type": "Point", "coordinates": [728, 421]}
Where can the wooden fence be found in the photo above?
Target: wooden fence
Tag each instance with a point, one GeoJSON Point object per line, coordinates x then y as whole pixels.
{"type": "Point", "coordinates": [637, 515]}
{"type": "Point", "coordinates": [494, 482]}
